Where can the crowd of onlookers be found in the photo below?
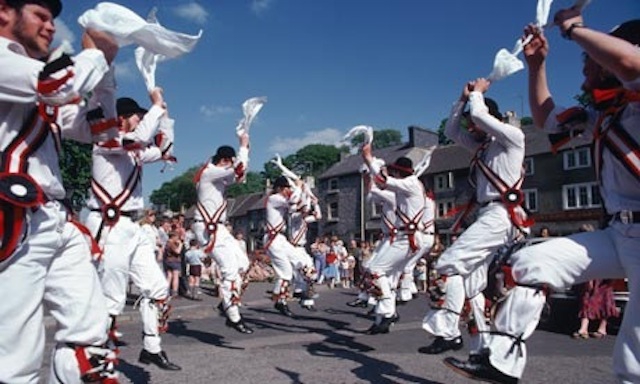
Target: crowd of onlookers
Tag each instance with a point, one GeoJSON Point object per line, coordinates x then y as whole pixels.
{"type": "Point", "coordinates": [187, 267]}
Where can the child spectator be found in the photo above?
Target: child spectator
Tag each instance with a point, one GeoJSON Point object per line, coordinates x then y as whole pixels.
{"type": "Point", "coordinates": [194, 257]}
{"type": "Point", "coordinates": [420, 275]}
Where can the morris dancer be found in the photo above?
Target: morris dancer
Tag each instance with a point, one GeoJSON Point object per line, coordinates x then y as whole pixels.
{"type": "Point", "coordinates": [44, 258]}
{"type": "Point", "coordinates": [212, 181]}
{"type": "Point", "coordinates": [280, 203]}
{"type": "Point", "coordinates": [386, 268]}
{"type": "Point", "coordinates": [498, 171]}
{"type": "Point", "coordinates": [612, 77]}
{"type": "Point", "coordinates": [115, 201]}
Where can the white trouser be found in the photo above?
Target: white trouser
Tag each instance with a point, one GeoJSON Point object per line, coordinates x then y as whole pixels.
{"type": "Point", "coordinates": [54, 268]}
{"type": "Point", "coordinates": [465, 263]}
{"type": "Point", "coordinates": [129, 253]}
{"type": "Point", "coordinates": [232, 261]}
{"type": "Point", "coordinates": [302, 261]}
{"type": "Point", "coordinates": [281, 252]}
{"type": "Point", "coordinates": [606, 254]}
{"type": "Point", "coordinates": [388, 262]}
{"type": "Point", "coordinates": [407, 282]}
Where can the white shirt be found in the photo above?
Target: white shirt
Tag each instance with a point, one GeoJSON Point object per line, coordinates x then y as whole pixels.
{"type": "Point", "coordinates": [213, 183]}
{"type": "Point", "coordinates": [618, 187]}
{"type": "Point", "coordinates": [504, 154]}
{"type": "Point", "coordinates": [19, 95]}
{"type": "Point", "coordinates": [112, 167]}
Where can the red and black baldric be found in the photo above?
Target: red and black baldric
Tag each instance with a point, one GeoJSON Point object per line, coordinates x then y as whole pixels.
{"type": "Point", "coordinates": [211, 223]}
{"type": "Point", "coordinates": [392, 230]}
{"type": "Point", "coordinates": [19, 191]}
{"type": "Point", "coordinates": [411, 225]}
{"type": "Point", "coordinates": [511, 196]}
{"type": "Point", "coordinates": [302, 232]}
{"type": "Point", "coordinates": [273, 232]}
{"type": "Point", "coordinates": [112, 206]}
{"type": "Point", "coordinates": [612, 135]}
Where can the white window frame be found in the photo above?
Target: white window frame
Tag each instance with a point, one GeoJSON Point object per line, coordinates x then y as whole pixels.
{"type": "Point", "coordinates": [376, 210]}
{"type": "Point", "coordinates": [572, 158]}
{"type": "Point", "coordinates": [585, 195]}
{"type": "Point", "coordinates": [530, 194]}
{"type": "Point", "coordinates": [529, 166]}
{"type": "Point", "coordinates": [330, 215]}
{"type": "Point", "coordinates": [443, 182]}
{"type": "Point", "coordinates": [333, 188]}
{"type": "Point", "coordinates": [446, 205]}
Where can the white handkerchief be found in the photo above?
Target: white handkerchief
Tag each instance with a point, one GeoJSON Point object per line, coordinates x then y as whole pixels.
{"type": "Point", "coordinates": [505, 64]}
{"type": "Point", "coordinates": [147, 61]}
{"type": "Point", "coordinates": [542, 12]}
{"type": "Point", "coordinates": [250, 108]}
{"type": "Point", "coordinates": [129, 28]}
{"type": "Point", "coordinates": [359, 129]}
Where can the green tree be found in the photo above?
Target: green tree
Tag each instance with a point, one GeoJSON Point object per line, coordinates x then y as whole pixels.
{"type": "Point", "coordinates": [442, 138]}
{"type": "Point", "coordinates": [177, 193]}
{"type": "Point", "coordinates": [254, 182]}
{"type": "Point", "coordinates": [381, 138]}
{"type": "Point", "coordinates": [75, 166]}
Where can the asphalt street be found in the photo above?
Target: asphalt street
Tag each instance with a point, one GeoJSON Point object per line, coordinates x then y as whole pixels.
{"type": "Point", "coordinates": [328, 346]}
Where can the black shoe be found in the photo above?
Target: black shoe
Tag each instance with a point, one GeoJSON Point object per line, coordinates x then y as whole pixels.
{"type": "Point", "coordinates": [440, 345]}
{"type": "Point", "coordinates": [284, 309]}
{"type": "Point", "coordinates": [159, 359]}
{"type": "Point", "coordinates": [358, 303]}
{"type": "Point", "coordinates": [479, 369]}
{"type": "Point", "coordinates": [395, 318]}
{"type": "Point", "coordinates": [239, 326]}
{"type": "Point", "coordinates": [297, 294]}
{"type": "Point", "coordinates": [383, 327]}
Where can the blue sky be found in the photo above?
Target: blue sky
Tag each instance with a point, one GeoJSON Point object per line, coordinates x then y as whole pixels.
{"type": "Point", "coordinates": [328, 65]}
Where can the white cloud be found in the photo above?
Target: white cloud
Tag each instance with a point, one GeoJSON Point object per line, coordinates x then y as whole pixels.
{"type": "Point", "coordinates": [63, 32]}
{"type": "Point", "coordinates": [260, 6]}
{"type": "Point", "coordinates": [213, 111]}
{"type": "Point", "coordinates": [328, 136]}
{"type": "Point", "coordinates": [193, 12]}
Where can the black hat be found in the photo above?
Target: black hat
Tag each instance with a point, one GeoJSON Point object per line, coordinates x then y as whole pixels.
{"type": "Point", "coordinates": [629, 31]}
{"type": "Point", "coordinates": [404, 165]}
{"type": "Point", "coordinates": [127, 106]}
{"type": "Point", "coordinates": [493, 108]}
{"type": "Point", "coordinates": [54, 6]}
{"type": "Point", "coordinates": [281, 182]}
{"type": "Point", "coordinates": [224, 152]}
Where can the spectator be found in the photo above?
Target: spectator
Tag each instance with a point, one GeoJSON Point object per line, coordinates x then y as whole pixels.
{"type": "Point", "coordinates": [319, 254]}
{"type": "Point", "coordinates": [421, 275]}
{"type": "Point", "coordinates": [173, 262]}
{"type": "Point", "coordinates": [544, 232]}
{"type": "Point", "coordinates": [149, 227]}
{"type": "Point", "coordinates": [596, 303]}
{"type": "Point", "coordinates": [194, 257]}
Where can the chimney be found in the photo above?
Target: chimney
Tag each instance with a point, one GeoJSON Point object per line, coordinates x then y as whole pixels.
{"type": "Point", "coordinates": [420, 137]}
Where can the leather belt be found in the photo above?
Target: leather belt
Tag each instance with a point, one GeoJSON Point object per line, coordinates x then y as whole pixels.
{"type": "Point", "coordinates": [133, 215]}
{"type": "Point", "coordinates": [497, 200]}
{"type": "Point", "coordinates": [626, 217]}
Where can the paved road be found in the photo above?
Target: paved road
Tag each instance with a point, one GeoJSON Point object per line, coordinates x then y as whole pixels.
{"type": "Point", "coordinates": [327, 346]}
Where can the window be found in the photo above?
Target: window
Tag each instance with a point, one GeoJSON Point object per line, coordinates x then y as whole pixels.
{"type": "Point", "coordinates": [443, 207]}
{"type": "Point", "coordinates": [443, 182]}
{"type": "Point", "coordinates": [529, 168]}
{"type": "Point", "coordinates": [376, 209]}
{"type": "Point", "coordinates": [333, 185]}
{"type": "Point", "coordinates": [577, 158]}
{"type": "Point", "coordinates": [332, 211]}
{"type": "Point", "coordinates": [530, 199]}
{"type": "Point", "coordinates": [578, 196]}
